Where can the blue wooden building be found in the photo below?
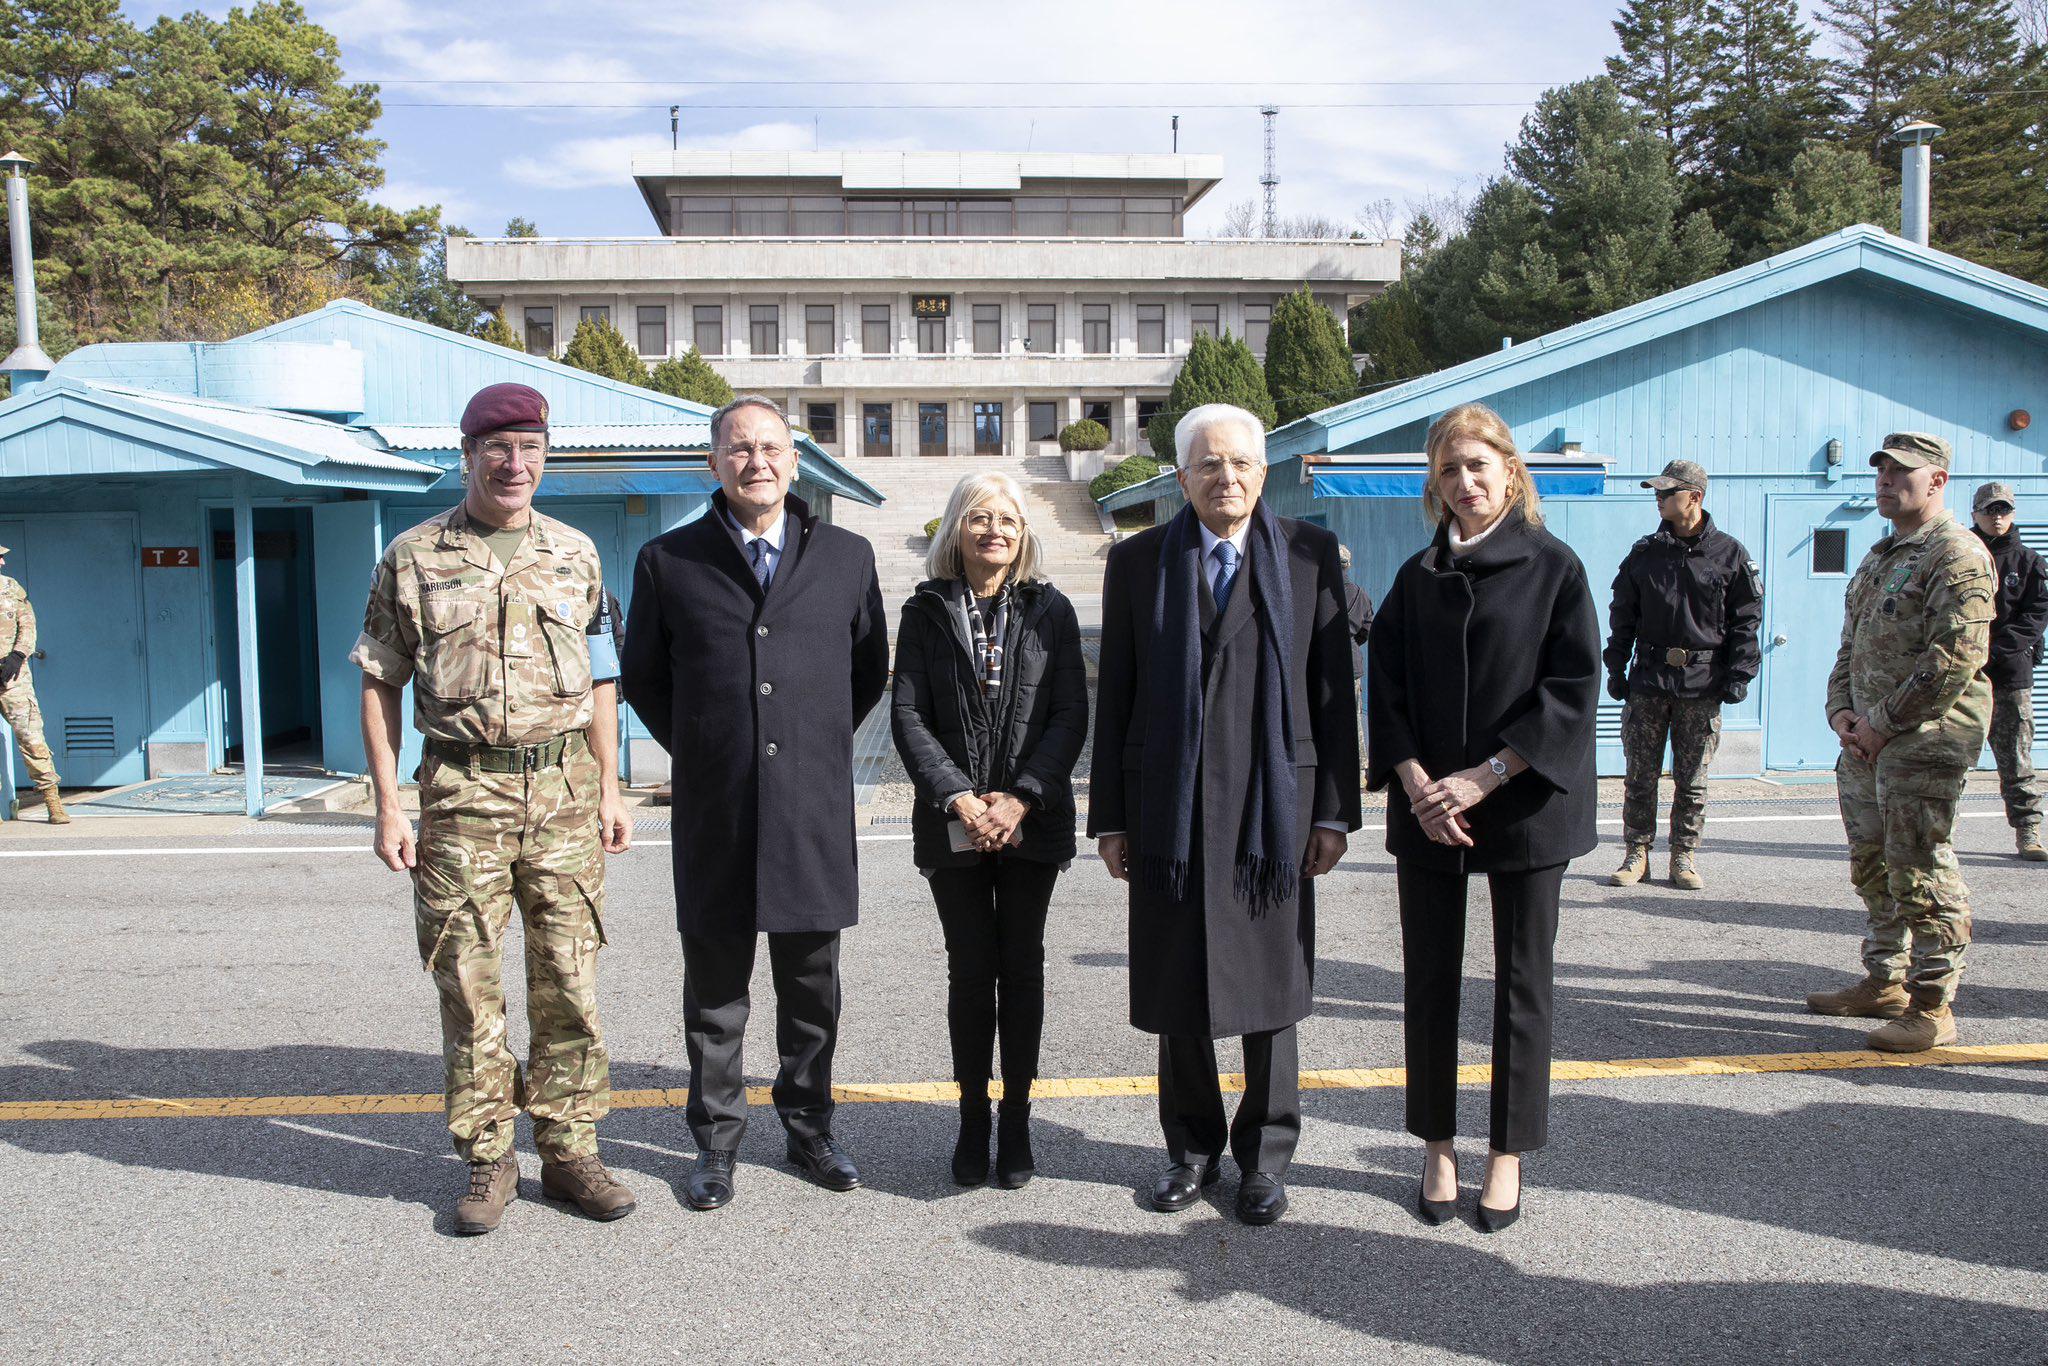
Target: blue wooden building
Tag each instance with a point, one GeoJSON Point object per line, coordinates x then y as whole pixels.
{"type": "Point", "coordinates": [196, 524]}
{"type": "Point", "coordinates": [1780, 378]}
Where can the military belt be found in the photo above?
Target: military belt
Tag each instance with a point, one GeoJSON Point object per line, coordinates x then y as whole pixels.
{"type": "Point", "coordinates": [1675, 655]}
{"type": "Point", "coordinates": [492, 759]}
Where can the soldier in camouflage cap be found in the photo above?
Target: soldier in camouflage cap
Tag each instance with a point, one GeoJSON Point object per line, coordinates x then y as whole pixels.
{"type": "Point", "coordinates": [18, 692]}
{"type": "Point", "coordinates": [486, 611]}
{"type": "Point", "coordinates": [2016, 629]}
{"type": "Point", "coordinates": [1910, 702]}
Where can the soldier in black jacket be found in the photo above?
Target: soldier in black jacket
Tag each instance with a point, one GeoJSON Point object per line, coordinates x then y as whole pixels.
{"type": "Point", "coordinates": [1682, 640]}
{"type": "Point", "coordinates": [2021, 615]}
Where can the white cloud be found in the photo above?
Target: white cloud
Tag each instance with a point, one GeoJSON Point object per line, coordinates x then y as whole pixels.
{"type": "Point", "coordinates": [583, 162]}
{"type": "Point", "coordinates": [457, 206]}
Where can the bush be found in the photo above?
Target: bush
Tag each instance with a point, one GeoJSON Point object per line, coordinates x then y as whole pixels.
{"type": "Point", "coordinates": [688, 376]}
{"type": "Point", "coordinates": [601, 349]}
{"type": "Point", "coordinates": [931, 528]}
{"type": "Point", "coordinates": [1132, 469]}
{"type": "Point", "coordinates": [1085, 435]}
{"type": "Point", "coordinates": [1217, 370]}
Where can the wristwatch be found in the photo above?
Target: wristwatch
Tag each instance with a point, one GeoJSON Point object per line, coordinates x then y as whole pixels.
{"type": "Point", "coordinates": [1499, 767]}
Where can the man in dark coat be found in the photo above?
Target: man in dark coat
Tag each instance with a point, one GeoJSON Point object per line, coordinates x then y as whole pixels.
{"type": "Point", "coordinates": [2021, 615]}
{"type": "Point", "coordinates": [1223, 794]}
{"type": "Point", "coordinates": [755, 645]}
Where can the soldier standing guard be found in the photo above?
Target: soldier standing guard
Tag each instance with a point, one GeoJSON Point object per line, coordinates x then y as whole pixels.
{"type": "Point", "coordinates": [1687, 604]}
{"type": "Point", "coordinates": [1910, 702]}
{"type": "Point", "coordinates": [18, 691]}
{"type": "Point", "coordinates": [2021, 614]}
{"type": "Point", "coordinates": [485, 609]}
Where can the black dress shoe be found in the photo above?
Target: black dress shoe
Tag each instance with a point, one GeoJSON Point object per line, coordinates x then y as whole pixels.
{"type": "Point", "coordinates": [1014, 1164]}
{"type": "Point", "coordinates": [970, 1150]}
{"type": "Point", "coordinates": [1435, 1211]}
{"type": "Point", "coordinates": [1261, 1199]}
{"type": "Point", "coordinates": [820, 1159]}
{"type": "Point", "coordinates": [710, 1183]}
{"type": "Point", "coordinates": [1180, 1185]}
{"type": "Point", "coordinates": [1494, 1220]}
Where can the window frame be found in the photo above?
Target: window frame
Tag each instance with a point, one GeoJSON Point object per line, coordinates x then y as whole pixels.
{"type": "Point", "coordinates": [1159, 322]}
{"type": "Point", "coordinates": [1051, 410]}
{"type": "Point", "coordinates": [641, 324]}
{"type": "Point", "coordinates": [770, 342]}
{"type": "Point", "coordinates": [703, 316]}
{"type": "Point", "coordinates": [830, 322]}
{"type": "Point", "coordinates": [825, 431]}
{"type": "Point", "coordinates": [979, 314]}
{"type": "Point", "coordinates": [529, 321]}
{"type": "Point", "coordinates": [887, 322]}
{"type": "Point", "coordinates": [1051, 321]}
{"type": "Point", "coordinates": [1106, 323]}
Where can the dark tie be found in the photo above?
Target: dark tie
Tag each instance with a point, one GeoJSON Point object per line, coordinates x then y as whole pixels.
{"type": "Point", "coordinates": [1226, 573]}
{"type": "Point", "coordinates": [759, 549]}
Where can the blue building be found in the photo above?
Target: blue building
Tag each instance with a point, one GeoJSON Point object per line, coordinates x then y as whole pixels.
{"type": "Point", "coordinates": [196, 524]}
{"type": "Point", "coordinates": [1780, 378]}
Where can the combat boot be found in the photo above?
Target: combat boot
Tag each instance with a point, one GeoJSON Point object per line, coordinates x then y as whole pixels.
{"type": "Point", "coordinates": [1635, 866]}
{"type": "Point", "coordinates": [585, 1183]}
{"type": "Point", "coordinates": [1919, 1029]}
{"type": "Point", "coordinates": [492, 1186]}
{"type": "Point", "coordinates": [54, 804]}
{"type": "Point", "coordinates": [2027, 843]}
{"type": "Point", "coordinates": [1869, 998]}
{"type": "Point", "coordinates": [1684, 874]}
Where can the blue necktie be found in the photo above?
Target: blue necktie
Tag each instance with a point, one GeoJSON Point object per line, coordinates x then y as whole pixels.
{"type": "Point", "coordinates": [759, 548]}
{"type": "Point", "coordinates": [1226, 573]}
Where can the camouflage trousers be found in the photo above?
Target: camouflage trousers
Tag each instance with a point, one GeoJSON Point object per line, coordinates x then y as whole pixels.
{"type": "Point", "coordinates": [25, 718]}
{"type": "Point", "coordinates": [489, 842]}
{"type": "Point", "coordinates": [1900, 818]}
{"type": "Point", "coordinates": [1692, 726]}
{"type": "Point", "coordinates": [2012, 746]}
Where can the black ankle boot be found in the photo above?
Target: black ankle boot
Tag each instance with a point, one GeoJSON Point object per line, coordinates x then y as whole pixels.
{"type": "Point", "coordinates": [970, 1151]}
{"type": "Point", "coordinates": [1014, 1166]}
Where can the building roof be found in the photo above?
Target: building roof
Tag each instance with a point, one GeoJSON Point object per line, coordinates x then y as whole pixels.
{"type": "Point", "coordinates": [600, 436]}
{"type": "Point", "coordinates": [936, 171]}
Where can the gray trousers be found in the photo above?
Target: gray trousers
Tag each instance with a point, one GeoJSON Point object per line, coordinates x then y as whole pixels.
{"type": "Point", "coordinates": [2012, 745]}
{"type": "Point", "coordinates": [1268, 1121]}
{"type": "Point", "coordinates": [717, 969]}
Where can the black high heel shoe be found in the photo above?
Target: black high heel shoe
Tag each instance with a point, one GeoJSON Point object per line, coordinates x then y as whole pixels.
{"type": "Point", "coordinates": [1437, 1212]}
{"type": "Point", "coordinates": [1494, 1220]}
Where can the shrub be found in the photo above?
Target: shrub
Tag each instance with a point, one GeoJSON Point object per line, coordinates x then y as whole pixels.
{"type": "Point", "coordinates": [1132, 469]}
{"type": "Point", "coordinates": [601, 349]}
{"type": "Point", "coordinates": [688, 376]}
{"type": "Point", "coordinates": [1217, 370]}
{"type": "Point", "coordinates": [1085, 435]}
{"type": "Point", "coordinates": [931, 528]}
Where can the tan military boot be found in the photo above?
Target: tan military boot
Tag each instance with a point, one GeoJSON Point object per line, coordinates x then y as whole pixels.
{"type": "Point", "coordinates": [2027, 843]}
{"type": "Point", "coordinates": [1635, 866]}
{"type": "Point", "coordinates": [1685, 875]}
{"type": "Point", "coordinates": [54, 804]}
{"type": "Point", "coordinates": [492, 1186]}
{"type": "Point", "coordinates": [1919, 1029]}
{"type": "Point", "coordinates": [584, 1182]}
{"type": "Point", "coordinates": [1868, 998]}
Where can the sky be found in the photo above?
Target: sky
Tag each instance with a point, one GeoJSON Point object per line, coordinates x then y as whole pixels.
{"type": "Point", "coordinates": [1377, 101]}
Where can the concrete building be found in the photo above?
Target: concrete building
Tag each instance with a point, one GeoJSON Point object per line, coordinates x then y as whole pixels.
{"type": "Point", "coordinates": [922, 303]}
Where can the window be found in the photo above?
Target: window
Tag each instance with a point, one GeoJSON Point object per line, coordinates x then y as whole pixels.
{"type": "Point", "coordinates": [1203, 321]}
{"type": "Point", "coordinates": [930, 217]}
{"type": "Point", "coordinates": [1045, 422]}
{"type": "Point", "coordinates": [988, 428]}
{"type": "Point", "coordinates": [1258, 319]}
{"type": "Point", "coordinates": [1095, 217]}
{"type": "Point", "coordinates": [1148, 408]}
{"type": "Point", "coordinates": [931, 429]}
{"type": "Point", "coordinates": [764, 329]}
{"type": "Point", "coordinates": [1152, 329]}
{"type": "Point", "coordinates": [875, 425]}
{"type": "Point", "coordinates": [708, 328]}
{"type": "Point", "coordinates": [874, 329]}
{"type": "Point", "coordinates": [1831, 550]}
{"type": "Point", "coordinates": [594, 313]}
{"type": "Point", "coordinates": [761, 217]}
{"type": "Point", "coordinates": [1041, 330]}
{"type": "Point", "coordinates": [652, 320]}
{"type": "Point", "coordinates": [817, 216]}
{"type": "Point", "coordinates": [823, 420]}
{"type": "Point", "coordinates": [874, 217]}
{"type": "Point", "coordinates": [931, 336]}
{"type": "Point", "coordinates": [540, 331]}
{"type": "Point", "coordinates": [985, 218]}
{"type": "Point", "coordinates": [1039, 216]}
{"type": "Point", "coordinates": [1097, 412]}
{"type": "Point", "coordinates": [821, 327]}
{"type": "Point", "coordinates": [1148, 217]}
{"type": "Point", "coordinates": [702, 216]}
{"type": "Point", "coordinates": [988, 329]}
{"type": "Point", "coordinates": [1095, 329]}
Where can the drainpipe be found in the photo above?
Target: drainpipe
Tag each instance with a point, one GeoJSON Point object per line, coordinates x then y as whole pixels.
{"type": "Point", "coordinates": [1915, 174]}
{"type": "Point", "coordinates": [27, 362]}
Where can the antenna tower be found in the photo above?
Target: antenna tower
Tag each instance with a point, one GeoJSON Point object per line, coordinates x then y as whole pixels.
{"type": "Point", "coordinates": [1271, 179]}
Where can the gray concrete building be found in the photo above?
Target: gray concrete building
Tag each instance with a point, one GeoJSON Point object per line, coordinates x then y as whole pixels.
{"type": "Point", "coordinates": [922, 303]}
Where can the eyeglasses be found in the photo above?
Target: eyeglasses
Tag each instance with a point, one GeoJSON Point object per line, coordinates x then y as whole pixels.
{"type": "Point", "coordinates": [981, 523]}
{"type": "Point", "coordinates": [743, 451]}
{"type": "Point", "coordinates": [525, 452]}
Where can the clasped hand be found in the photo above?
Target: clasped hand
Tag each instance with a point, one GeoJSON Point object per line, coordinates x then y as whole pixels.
{"type": "Point", "coordinates": [991, 820]}
{"type": "Point", "coordinates": [1858, 735]}
{"type": "Point", "coordinates": [1440, 804]}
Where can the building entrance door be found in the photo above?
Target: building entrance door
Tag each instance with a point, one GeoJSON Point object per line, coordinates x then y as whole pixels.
{"type": "Point", "coordinates": [931, 429]}
{"type": "Point", "coordinates": [876, 430]}
{"type": "Point", "coordinates": [1815, 543]}
{"type": "Point", "coordinates": [287, 636]}
{"type": "Point", "coordinates": [988, 429]}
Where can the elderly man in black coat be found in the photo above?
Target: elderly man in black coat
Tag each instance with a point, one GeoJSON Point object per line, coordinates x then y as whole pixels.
{"type": "Point", "coordinates": [755, 645]}
{"type": "Point", "coordinates": [1221, 796]}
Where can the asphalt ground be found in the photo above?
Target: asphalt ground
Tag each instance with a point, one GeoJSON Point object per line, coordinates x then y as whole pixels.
{"type": "Point", "coordinates": [1847, 1213]}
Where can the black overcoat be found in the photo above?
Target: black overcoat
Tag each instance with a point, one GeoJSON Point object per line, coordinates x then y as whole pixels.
{"type": "Point", "coordinates": [756, 697]}
{"type": "Point", "coordinates": [1206, 966]}
{"type": "Point", "coordinates": [1025, 740]}
{"type": "Point", "coordinates": [1499, 647]}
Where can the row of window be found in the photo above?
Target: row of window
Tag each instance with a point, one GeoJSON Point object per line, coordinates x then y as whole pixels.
{"type": "Point", "coordinates": [836, 216]}
{"type": "Point", "coordinates": [877, 328]}
{"type": "Point", "coordinates": [878, 422]}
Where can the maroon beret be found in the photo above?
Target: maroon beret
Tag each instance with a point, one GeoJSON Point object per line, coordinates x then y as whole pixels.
{"type": "Point", "coordinates": [505, 408]}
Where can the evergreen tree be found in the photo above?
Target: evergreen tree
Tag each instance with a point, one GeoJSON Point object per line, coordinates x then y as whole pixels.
{"type": "Point", "coordinates": [498, 332]}
{"type": "Point", "coordinates": [1864, 72]}
{"type": "Point", "coordinates": [1217, 370]}
{"type": "Point", "coordinates": [1308, 358]}
{"type": "Point", "coordinates": [1832, 186]}
{"type": "Point", "coordinates": [689, 376]}
{"type": "Point", "coordinates": [1662, 66]}
{"type": "Point", "coordinates": [602, 349]}
{"type": "Point", "coordinates": [1767, 96]}
{"type": "Point", "coordinates": [419, 287]}
{"type": "Point", "coordinates": [1394, 335]}
{"type": "Point", "coordinates": [521, 227]}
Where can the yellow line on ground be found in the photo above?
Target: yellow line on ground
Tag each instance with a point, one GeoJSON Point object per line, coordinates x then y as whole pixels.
{"type": "Point", "coordinates": [938, 1092]}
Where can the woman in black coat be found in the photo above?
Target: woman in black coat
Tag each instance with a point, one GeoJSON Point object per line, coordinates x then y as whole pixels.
{"type": "Point", "coordinates": [1483, 679]}
{"type": "Point", "coordinates": [991, 709]}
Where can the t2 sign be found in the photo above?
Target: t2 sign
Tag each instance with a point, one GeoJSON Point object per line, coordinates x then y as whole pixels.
{"type": "Point", "coordinates": [170, 557]}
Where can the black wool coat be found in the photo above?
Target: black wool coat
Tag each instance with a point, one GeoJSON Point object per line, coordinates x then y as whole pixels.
{"type": "Point", "coordinates": [756, 697]}
{"type": "Point", "coordinates": [1205, 966]}
{"type": "Point", "coordinates": [1499, 647]}
{"type": "Point", "coordinates": [1024, 740]}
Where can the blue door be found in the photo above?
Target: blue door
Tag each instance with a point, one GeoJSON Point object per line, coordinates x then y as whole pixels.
{"type": "Point", "coordinates": [1814, 544]}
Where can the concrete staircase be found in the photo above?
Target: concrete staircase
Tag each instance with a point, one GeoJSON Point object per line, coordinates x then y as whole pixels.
{"type": "Point", "coordinates": [1069, 527]}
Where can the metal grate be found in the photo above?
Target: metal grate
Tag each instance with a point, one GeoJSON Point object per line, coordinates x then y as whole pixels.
{"type": "Point", "coordinates": [1607, 723]}
{"type": "Point", "coordinates": [89, 735]}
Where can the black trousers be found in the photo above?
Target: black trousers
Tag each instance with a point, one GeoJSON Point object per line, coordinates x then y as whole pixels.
{"type": "Point", "coordinates": [993, 912]}
{"type": "Point", "coordinates": [716, 971]}
{"type": "Point", "coordinates": [1433, 958]}
{"type": "Point", "coordinates": [1268, 1121]}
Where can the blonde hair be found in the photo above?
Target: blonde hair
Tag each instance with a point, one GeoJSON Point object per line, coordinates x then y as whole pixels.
{"type": "Point", "coordinates": [1477, 422]}
{"type": "Point", "coordinates": [944, 561]}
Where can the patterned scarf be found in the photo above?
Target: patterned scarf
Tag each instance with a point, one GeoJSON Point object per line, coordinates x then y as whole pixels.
{"type": "Point", "coordinates": [988, 637]}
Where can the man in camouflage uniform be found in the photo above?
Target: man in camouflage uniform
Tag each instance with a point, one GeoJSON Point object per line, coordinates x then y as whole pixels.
{"type": "Point", "coordinates": [2019, 618]}
{"type": "Point", "coordinates": [1682, 641]}
{"type": "Point", "coordinates": [18, 691]}
{"type": "Point", "coordinates": [1910, 702]}
{"type": "Point", "coordinates": [484, 610]}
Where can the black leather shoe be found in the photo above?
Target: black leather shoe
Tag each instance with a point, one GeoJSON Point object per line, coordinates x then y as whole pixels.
{"type": "Point", "coordinates": [820, 1159]}
{"type": "Point", "coordinates": [970, 1150]}
{"type": "Point", "coordinates": [710, 1183]}
{"type": "Point", "coordinates": [1181, 1184]}
{"type": "Point", "coordinates": [1261, 1199]}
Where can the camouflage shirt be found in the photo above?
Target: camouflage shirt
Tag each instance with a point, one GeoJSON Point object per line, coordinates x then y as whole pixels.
{"type": "Point", "coordinates": [1916, 633]}
{"type": "Point", "coordinates": [17, 619]}
{"type": "Point", "coordinates": [496, 655]}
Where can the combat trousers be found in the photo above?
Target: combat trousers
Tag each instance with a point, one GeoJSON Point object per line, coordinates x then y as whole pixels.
{"type": "Point", "coordinates": [1900, 818]}
{"type": "Point", "coordinates": [25, 718]}
{"type": "Point", "coordinates": [488, 842]}
{"type": "Point", "coordinates": [2012, 746]}
{"type": "Point", "coordinates": [1692, 726]}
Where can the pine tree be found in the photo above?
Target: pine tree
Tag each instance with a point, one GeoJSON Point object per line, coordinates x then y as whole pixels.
{"type": "Point", "coordinates": [498, 332]}
{"type": "Point", "coordinates": [689, 376]}
{"type": "Point", "coordinates": [419, 287]}
{"type": "Point", "coordinates": [1767, 96]}
{"type": "Point", "coordinates": [1308, 358]}
{"type": "Point", "coordinates": [1662, 66]}
{"type": "Point", "coordinates": [1217, 370]}
{"type": "Point", "coordinates": [1832, 186]}
{"type": "Point", "coordinates": [520, 227]}
{"type": "Point", "coordinates": [601, 349]}
{"type": "Point", "coordinates": [1864, 72]}
{"type": "Point", "coordinates": [1393, 333]}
